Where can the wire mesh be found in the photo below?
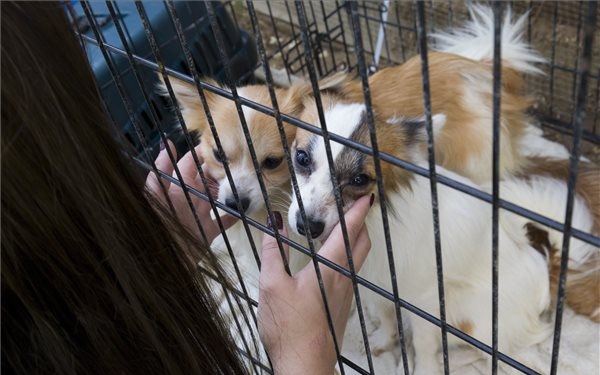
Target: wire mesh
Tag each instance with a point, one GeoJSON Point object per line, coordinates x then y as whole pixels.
{"type": "Point", "coordinates": [312, 40]}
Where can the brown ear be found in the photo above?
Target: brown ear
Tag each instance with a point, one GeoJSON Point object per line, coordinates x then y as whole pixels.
{"type": "Point", "coordinates": [186, 93]}
{"type": "Point", "coordinates": [293, 101]}
{"type": "Point", "coordinates": [188, 100]}
{"type": "Point", "coordinates": [335, 84]}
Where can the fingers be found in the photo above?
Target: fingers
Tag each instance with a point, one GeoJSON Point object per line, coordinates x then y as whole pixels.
{"type": "Point", "coordinates": [361, 248]}
{"type": "Point", "coordinates": [334, 249]}
{"type": "Point", "coordinates": [187, 165]}
{"type": "Point", "coordinates": [228, 221]}
{"type": "Point", "coordinates": [163, 163]}
{"type": "Point", "coordinates": [271, 260]}
{"type": "Point", "coordinates": [189, 173]}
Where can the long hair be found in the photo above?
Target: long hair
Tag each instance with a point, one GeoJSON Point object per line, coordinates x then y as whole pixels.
{"type": "Point", "coordinates": [94, 280]}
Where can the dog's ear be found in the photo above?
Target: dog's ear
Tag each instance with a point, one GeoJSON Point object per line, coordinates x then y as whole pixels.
{"type": "Point", "coordinates": [335, 84]}
{"type": "Point", "coordinates": [294, 100]}
{"type": "Point", "coordinates": [291, 99]}
{"type": "Point", "coordinates": [188, 100]}
{"type": "Point", "coordinates": [186, 93]}
{"type": "Point", "coordinates": [416, 128]}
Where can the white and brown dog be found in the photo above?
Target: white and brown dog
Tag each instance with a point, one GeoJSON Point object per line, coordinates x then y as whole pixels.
{"type": "Point", "coordinates": [466, 238]}
{"type": "Point", "coordinates": [461, 89]}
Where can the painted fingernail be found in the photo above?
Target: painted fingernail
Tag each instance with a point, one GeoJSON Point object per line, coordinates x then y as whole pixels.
{"type": "Point", "coordinates": [372, 199]}
{"type": "Point", "coordinates": [278, 221]}
{"type": "Point", "coordinates": [161, 143]}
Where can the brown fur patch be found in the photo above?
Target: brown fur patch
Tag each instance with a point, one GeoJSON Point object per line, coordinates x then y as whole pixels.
{"type": "Point", "coordinates": [262, 128]}
{"type": "Point", "coordinates": [391, 138]}
{"type": "Point", "coordinates": [466, 326]}
{"type": "Point", "coordinates": [582, 292]}
{"type": "Point", "coordinates": [583, 284]}
{"type": "Point", "coordinates": [398, 91]}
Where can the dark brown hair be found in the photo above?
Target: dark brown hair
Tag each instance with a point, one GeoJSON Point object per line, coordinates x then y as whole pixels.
{"type": "Point", "coordinates": [93, 280]}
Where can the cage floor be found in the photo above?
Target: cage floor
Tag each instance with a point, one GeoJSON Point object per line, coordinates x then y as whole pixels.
{"type": "Point", "coordinates": [578, 352]}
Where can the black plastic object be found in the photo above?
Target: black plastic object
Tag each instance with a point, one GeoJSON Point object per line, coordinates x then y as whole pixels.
{"type": "Point", "coordinates": [195, 24]}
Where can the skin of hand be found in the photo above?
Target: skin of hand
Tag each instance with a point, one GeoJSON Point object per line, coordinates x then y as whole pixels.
{"type": "Point", "coordinates": [190, 176]}
{"type": "Point", "coordinates": [292, 320]}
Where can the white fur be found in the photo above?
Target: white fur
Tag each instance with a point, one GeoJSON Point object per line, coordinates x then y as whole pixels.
{"type": "Point", "coordinates": [465, 228]}
{"type": "Point", "coordinates": [242, 171]}
{"type": "Point", "coordinates": [341, 120]}
{"type": "Point", "coordinates": [466, 232]}
{"type": "Point", "coordinates": [475, 40]}
{"type": "Point", "coordinates": [533, 143]}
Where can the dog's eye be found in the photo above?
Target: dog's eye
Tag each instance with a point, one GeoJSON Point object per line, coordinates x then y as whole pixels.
{"type": "Point", "coordinates": [360, 180]}
{"type": "Point", "coordinates": [302, 158]}
{"type": "Point", "coordinates": [219, 155]}
{"type": "Point", "coordinates": [272, 162]}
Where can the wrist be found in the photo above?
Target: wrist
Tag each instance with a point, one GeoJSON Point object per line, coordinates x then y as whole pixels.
{"type": "Point", "coordinates": [316, 356]}
{"type": "Point", "coordinates": [301, 365]}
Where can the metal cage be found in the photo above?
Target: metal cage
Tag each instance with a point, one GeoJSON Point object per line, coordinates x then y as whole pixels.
{"type": "Point", "coordinates": [311, 40]}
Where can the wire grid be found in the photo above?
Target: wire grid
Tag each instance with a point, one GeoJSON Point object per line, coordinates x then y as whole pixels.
{"type": "Point", "coordinates": [328, 36]}
{"type": "Point", "coordinates": [554, 27]}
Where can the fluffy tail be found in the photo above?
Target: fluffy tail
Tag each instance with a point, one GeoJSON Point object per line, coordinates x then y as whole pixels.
{"type": "Point", "coordinates": [475, 40]}
{"type": "Point", "coordinates": [582, 281]}
{"type": "Point", "coordinates": [547, 185]}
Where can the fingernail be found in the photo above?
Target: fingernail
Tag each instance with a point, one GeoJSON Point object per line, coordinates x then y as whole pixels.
{"type": "Point", "coordinates": [372, 200]}
{"type": "Point", "coordinates": [278, 221]}
{"type": "Point", "coordinates": [161, 143]}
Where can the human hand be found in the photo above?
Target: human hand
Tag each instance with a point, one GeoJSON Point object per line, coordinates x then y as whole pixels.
{"type": "Point", "coordinates": [292, 321]}
{"type": "Point", "coordinates": [189, 173]}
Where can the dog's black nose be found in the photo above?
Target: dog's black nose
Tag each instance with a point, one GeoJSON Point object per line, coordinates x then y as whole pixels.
{"type": "Point", "coordinates": [315, 227]}
{"type": "Point", "coordinates": [232, 203]}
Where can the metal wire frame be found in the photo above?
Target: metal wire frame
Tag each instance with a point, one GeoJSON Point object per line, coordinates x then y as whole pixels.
{"type": "Point", "coordinates": [421, 35]}
{"type": "Point", "coordinates": [337, 194]}
{"type": "Point", "coordinates": [486, 197]}
{"type": "Point", "coordinates": [497, 73]}
{"type": "Point", "coordinates": [269, 81]}
{"type": "Point", "coordinates": [482, 195]}
{"type": "Point", "coordinates": [479, 194]}
{"type": "Point", "coordinates": [582, 82]}
{"type": "Point", "coordinates": [552, 117]}
{"type": "Point", "coordinates": [362, 68]}
{"type": "Point", "coordinates": [495, 201]}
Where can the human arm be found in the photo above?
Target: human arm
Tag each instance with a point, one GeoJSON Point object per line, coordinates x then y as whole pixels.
{"type": "Point", "coordinates": [292, 320]}
{"type": "Point", "coordinates": [191, 177]}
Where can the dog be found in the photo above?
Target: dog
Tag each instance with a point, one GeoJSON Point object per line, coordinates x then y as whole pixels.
{"type": "Point", "coordinates": [234, 151]}
{"type": "Point", "coordinates": [466, 237]}
{"type": "Point", "coordinates": [461, 88]}
{"type": "Point", "coordinates": [460, 74]}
